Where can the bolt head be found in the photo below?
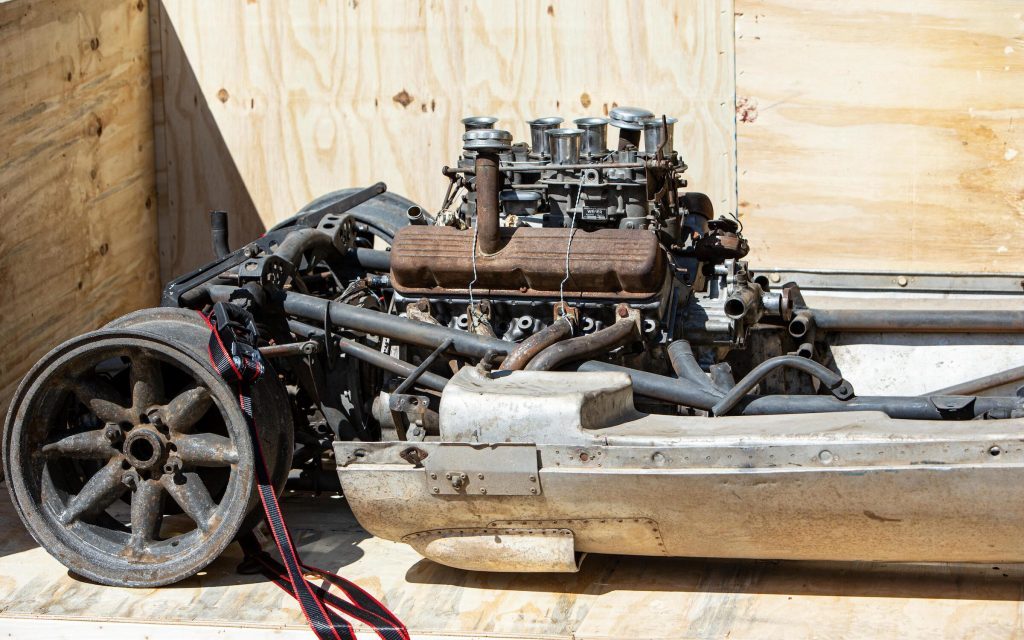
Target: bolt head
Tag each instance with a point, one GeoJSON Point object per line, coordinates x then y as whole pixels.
{"type": "Point", "coordinates": [129, 479]}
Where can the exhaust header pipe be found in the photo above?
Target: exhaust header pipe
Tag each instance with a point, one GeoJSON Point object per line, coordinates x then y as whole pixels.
{"type": "Point", "coordinates": [487, 144]}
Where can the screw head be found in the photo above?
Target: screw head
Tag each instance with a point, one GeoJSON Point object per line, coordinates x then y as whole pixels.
{"type": "Point", "coordinates": [480, 476]}
{"type": "Point", "coordinates": [533, 490]}
{"type": "Point", "coordinates": [483, 490]}
{"type": "Point", "coordinates": [436, 490]}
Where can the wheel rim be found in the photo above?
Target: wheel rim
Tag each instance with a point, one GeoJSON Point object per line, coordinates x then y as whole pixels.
{"type": "Point", "coordinates": [129, 459]}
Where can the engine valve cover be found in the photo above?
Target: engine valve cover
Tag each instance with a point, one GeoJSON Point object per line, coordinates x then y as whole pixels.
{"type": "Point", "coordinates": [605, 263]}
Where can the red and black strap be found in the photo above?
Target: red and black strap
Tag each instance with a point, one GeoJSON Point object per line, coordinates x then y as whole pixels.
{"type": "Point", "coordinates": [234, 355]}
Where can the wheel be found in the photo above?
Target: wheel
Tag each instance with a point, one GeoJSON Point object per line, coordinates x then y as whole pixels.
{"type": "Point", "coordinates": [128, 457]}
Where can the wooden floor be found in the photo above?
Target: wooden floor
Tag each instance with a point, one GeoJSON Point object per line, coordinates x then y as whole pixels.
{"type": "Point", "coordinates": [612, 597]}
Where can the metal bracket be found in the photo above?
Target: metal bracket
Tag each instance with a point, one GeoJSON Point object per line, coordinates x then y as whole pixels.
{"type": "Point", "coordinates": [340, 228]}
{"type": "Point", "coordinates": [464, 469]}
{"type": "Point", "coordinates": [266, 270]}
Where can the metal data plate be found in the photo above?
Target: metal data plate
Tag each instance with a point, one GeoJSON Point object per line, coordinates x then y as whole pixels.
{"type": "Point", "coordinates": [463, 469]}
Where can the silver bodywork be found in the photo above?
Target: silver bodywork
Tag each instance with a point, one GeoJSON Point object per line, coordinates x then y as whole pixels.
{"type": "Point", "coordinates": [532, 470]}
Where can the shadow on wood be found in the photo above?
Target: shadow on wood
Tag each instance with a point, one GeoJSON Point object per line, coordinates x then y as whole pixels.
{"type": "Point", "coordinates": [195, 171]}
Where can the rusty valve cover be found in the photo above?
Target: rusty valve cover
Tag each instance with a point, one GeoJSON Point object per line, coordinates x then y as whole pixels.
{"type": "Point", "coordinates": [606, 263]}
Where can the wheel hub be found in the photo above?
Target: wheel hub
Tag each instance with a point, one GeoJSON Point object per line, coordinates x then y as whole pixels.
{"type": "Point", "coordinates": [145, 448]}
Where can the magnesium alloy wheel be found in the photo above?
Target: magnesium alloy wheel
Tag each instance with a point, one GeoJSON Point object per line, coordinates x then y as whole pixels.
{"type": "Point", "coordinates": [128, 457]}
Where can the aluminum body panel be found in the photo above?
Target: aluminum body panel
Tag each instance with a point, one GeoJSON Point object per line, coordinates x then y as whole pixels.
{"type": "Point", "coordinates": [919, 512]}
{"type": "Point", "coordinates": [841, 486]}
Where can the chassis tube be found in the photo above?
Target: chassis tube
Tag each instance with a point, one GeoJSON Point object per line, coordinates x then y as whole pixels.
{"type": "Point", "coordinates": [372, 259]}
{"type": "Point", "coordinates": [835, 382]}
{"type": "Point", "coordinates": [910, 321]}
{"type": "Point", "coordinates": [402, 329]}
{"type": "Point", "coordinates": [659, 387]}
{"type": "Point", "coordinates": [900, 407]}
{"type": "Point", "coordinates": [984, 383]}
{"type": "Point", "coordinates": [646, 384]}
{"type": "Point", "coordinates": [372, 356]}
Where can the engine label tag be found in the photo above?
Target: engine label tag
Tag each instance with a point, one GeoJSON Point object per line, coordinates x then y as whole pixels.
{"type": "Point", "coordinates": [597, 214]}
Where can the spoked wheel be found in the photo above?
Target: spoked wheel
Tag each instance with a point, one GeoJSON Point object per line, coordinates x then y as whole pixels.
{"type": "Point", "coordinates": [128, 458]}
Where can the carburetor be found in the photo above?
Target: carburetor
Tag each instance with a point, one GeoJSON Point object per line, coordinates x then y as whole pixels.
{"type": "Point", "coordinates": [568, 177]}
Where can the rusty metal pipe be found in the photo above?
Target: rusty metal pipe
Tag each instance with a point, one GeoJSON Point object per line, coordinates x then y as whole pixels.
{"type": "Point", "coordinates": [531, 346]}
{"type": "Point", "coordinates": [680, 355]}
{"type": "Point", "coordinates": [597, 343]}
{"type": "Point", "coordinates": [488, 184]}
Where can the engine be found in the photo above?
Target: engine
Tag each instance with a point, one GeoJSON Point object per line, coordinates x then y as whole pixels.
{"type": "Point", "coordinates": [568, 227]}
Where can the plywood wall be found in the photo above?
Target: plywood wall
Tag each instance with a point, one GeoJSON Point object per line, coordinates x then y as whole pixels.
{"type": "Point", "coordinates": [871, 134]}
{"type": "Point", "coordinates": [882, 135]}
{"type": "Point", "coordinates": [263, 106]}
{"type": "Point", "coordinates": [77, 197]}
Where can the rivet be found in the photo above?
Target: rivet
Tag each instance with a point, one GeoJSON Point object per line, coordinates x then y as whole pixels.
{"type": "Point", "coordinates": [479, 476]}
{"type": "Point", "coordinates": [902, 281]}
{"type": "Point", "coordinates": [436, 490]}
{"type": "Point", "coordinates": [483, 490]}
{"type": "Point", "coordinates": [433, 476]}
{"type": "Point", "coordinates": [533, 478]}
{"type": "Point", "coordinates": [826, 457]}
{"type": "Point", "coordinates": [775, 277]}
{"type": "Point", "coordinates": [533, 490]}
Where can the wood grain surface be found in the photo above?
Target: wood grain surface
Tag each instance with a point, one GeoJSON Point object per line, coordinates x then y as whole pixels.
{"type": "Point", "coordinates": [263, 106]}
{"type": "Point", "coordinates": [882, 135]}
{"type": "Point", "coordinates": [77, 197]}
{"type": "Point", "coordinates": [611, 596]}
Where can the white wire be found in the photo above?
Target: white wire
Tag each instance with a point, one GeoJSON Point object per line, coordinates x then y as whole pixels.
{"type": "Point", "coordinates": [472, 306]}
{"type": "Point", "coordinates": [568, 248]}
